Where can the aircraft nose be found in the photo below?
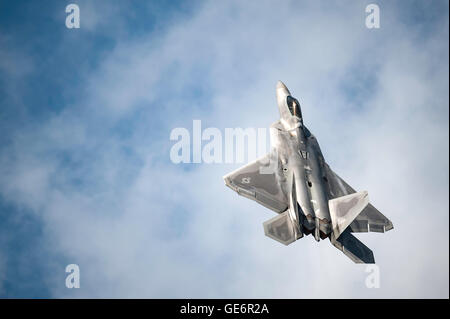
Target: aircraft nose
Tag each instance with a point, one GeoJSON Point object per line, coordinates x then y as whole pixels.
{"type": "Point", "coordinates": [282, 93]}
{"type": "Point", "coordinates": [281, 88]}
{"type": "Point", "coordinates": [287, 105]}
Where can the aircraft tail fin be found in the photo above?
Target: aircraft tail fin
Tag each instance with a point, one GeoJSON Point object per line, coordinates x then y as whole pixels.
{"type": "Point", "coordinates": [344, 209]}
{"type": "Point", "coordinates": [353, 248]}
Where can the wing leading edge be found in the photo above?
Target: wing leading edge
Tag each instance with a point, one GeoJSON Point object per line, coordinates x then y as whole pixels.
{"type": "Point", "coordinates": [257, 181]}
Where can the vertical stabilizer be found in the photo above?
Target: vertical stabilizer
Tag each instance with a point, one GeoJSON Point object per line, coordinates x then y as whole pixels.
{"type": "Point", "coordinates": [343, 210]}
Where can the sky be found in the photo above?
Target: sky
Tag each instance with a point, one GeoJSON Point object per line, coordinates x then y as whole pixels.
{"type": "Point", "coordinates": [85, 122]}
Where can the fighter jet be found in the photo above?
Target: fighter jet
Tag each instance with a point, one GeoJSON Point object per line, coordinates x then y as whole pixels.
{"type": "Point", "coordinates": [294, 181]}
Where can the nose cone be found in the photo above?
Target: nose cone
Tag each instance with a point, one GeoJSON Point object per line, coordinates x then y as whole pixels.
{"type": "Point", "coordinates": [282, 90]}
{"type": "Point", "coordinates": [282, 94]}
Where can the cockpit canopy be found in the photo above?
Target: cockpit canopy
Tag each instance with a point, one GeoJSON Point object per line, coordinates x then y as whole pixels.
{"type": "Point", "coordinates": [294, 106]}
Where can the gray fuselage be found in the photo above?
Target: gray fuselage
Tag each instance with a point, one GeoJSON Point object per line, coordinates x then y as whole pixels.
{"type": "Point", "coordinates": [300, 154]}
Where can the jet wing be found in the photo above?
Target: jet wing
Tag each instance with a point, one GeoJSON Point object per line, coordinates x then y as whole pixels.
{"type": "Point", "coordinates": [259, 182]}
{"type": "Point", "coordinates": [370, 219]}
{"type": "Point", "coordinates": [337, 187]}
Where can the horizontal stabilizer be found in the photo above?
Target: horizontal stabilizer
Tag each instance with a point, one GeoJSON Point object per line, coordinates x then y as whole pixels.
{"type": "Point", "coordinates": [353, 248]}
{"type": "Point", "coordinates": [281, 228]}
{"type": "Point", "coordinates": [344, 209]}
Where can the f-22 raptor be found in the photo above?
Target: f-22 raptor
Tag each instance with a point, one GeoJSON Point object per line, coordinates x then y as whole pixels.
{"type": "Point", "coordinates": [294, 180]}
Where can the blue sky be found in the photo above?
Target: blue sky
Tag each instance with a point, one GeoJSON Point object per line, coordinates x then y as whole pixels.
{"type": "Point", "coordinates": [85, 119]}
